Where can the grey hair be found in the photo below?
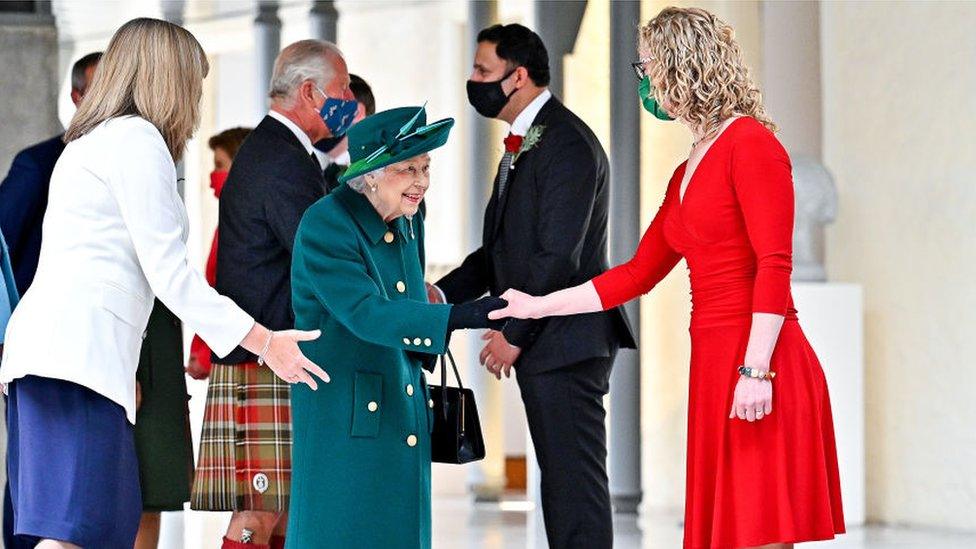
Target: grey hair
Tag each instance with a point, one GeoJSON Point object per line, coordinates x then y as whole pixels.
{"type": "Point", "coordinates": [359, 183]}
{"type": "Point", "coordinates": [301, 61]}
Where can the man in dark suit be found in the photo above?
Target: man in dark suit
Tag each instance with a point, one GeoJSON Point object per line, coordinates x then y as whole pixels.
{"type": "Point", "coordinates": [545, 228]}
{"type": "Point", "coordinates": [244, 462]}
{"type": "Point", "coordinates": [333, 152]}
{"type": "Point", "coordinates": [23, 193]}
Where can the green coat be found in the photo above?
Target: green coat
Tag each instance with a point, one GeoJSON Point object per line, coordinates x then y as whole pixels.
{"type": "Point", "coordinates": [361, 450]}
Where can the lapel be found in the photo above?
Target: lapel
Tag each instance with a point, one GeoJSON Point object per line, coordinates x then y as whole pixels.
{"type": "Point", "coordinates": [282, 133]}
{"type": "Point", "coordinates": [523, 165]}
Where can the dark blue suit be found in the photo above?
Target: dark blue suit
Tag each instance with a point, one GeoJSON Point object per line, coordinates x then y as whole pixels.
{"type": "Point", "coordinates": [23, 199]}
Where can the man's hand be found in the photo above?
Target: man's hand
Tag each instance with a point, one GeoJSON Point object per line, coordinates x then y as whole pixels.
{"type": "Point", "coordinates": [434, 295]}
{"type": "Point", "coordinates": [498, 355]}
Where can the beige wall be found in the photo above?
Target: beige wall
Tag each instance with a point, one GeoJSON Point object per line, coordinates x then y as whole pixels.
{"type": "Point", "coordinates": [899, 113]}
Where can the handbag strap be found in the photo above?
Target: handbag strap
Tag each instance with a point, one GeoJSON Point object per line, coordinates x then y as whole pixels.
{"type": "Point", "coordinates": [444, 358]}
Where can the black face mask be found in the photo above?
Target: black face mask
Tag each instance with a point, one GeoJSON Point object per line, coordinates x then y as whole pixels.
{"type": "Point", "coordinates": [327, 144]}
{"type": "Point", "coordinates": [488, 98]}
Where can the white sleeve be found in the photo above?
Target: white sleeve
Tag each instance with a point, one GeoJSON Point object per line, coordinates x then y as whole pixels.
{"type": "Point", "coordinates": [142, 177]}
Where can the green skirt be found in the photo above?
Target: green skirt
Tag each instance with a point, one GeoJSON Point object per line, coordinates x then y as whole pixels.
{"type": "Point", "coordinates": [162, 433]}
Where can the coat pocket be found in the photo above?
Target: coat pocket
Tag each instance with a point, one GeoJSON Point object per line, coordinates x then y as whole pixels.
{"type": "Point", "coordinates": [367, 404]}
{"type": "Point", "coordinates": [125, 306]}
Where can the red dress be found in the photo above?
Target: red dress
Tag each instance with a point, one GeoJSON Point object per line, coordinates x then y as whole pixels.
{"type": "Point", "coordinates": [748, 484]}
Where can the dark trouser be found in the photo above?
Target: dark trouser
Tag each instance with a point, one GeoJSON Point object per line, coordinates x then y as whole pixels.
{"type": "Point", "coordinates": [566, 420]}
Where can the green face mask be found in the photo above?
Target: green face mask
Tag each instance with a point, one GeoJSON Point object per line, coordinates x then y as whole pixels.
{"type": "Point", "coordinates": [646, 94]}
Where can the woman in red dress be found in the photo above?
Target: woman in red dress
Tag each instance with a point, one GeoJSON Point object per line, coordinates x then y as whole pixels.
{"type": "Point", "coordinates": [762, 464]}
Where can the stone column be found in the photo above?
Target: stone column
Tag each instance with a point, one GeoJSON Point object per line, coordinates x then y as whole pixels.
{"type": "Point", "coordinates": [625, 381]}
{"type": "Point", "coordinates": [324, 20]}
{"type": "Point", "coordinates": [558, 23]}
{"type": "Point", "coordinates": [267, 44]}
{"type": "Point", "coordinates": [486, 479]}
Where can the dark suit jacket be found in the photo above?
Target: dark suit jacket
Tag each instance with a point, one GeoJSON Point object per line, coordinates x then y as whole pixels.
{"type": "Point", "coordinates": [271, 183]}
{"type": "Point", "coordinates": [23, 200]}
{"type": "Point", "coordinates": [548, 232]}
{"type": "Point", "coordinates": [331, 174]}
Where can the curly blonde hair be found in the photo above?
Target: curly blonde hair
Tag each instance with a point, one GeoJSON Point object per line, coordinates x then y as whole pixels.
{"type": "Point", "coordinates": [697, 70]}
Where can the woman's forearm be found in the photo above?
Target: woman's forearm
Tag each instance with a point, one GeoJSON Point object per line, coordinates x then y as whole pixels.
{"type": "Point", "coordinates": [762, 339]}
{"type": "Point", "coordinates": [571, 301]}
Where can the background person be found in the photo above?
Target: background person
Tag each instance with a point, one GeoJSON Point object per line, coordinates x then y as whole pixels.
{"type": "Point", "coordinates": [24, 192]}
{"type": "Point", "coordinates": [224, 146]}
{"type": "Point", "coordinates": [244, 463]}
{"type": "Point", "coordinates": [116, 223]}
{"type": "Point", "coordinates": [754, 477]}
{"type": "Point", "coordinates": [333, 152]}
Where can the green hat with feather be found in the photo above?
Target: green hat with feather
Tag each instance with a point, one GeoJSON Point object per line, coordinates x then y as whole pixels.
{"type": "Point", "coordinates": [392, 136]}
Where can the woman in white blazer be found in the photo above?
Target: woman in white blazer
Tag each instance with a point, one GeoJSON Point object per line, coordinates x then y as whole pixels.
{"type": "Point", "coordinates": [114, 237]}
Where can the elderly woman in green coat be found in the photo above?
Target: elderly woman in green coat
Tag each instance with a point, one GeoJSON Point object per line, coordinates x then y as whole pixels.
{"type": "Point", "coordinates": [361, 450]}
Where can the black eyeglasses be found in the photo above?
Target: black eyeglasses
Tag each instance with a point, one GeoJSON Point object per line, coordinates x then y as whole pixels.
{"type": "Point", "coordinates": [639, 68]}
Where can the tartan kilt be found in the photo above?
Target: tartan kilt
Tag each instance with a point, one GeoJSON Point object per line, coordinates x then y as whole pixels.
{"type": "Point", "coordinates": [245, 447]}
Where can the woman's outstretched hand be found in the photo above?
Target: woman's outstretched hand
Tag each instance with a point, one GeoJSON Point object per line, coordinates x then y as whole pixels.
{"type": "Point", "coordinates": [283, 356]}
{"type": "Point", "coordinates": [520, 305]}
{"type": "Point", "coordinates": [287, 361]}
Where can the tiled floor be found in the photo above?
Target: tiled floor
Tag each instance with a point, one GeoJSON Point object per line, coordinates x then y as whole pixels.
{"type": "Point", "coordinates": [462, 525]}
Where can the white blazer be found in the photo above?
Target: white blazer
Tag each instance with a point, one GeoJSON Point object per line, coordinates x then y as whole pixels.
{"type": "Point", "coordinates": [113, 238]}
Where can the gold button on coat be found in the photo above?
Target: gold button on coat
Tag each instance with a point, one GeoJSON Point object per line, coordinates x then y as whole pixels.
{"type": "Point", "coordinates": [406, 341]}
{"type": "Point", "coordinates": [416, 341]}
{"type": "Point", "coordinates": [401, 287]}
{"type": "Point", "coordinates": [412, 440]}
{"type": "Point", "coordinates": [428, 342]}
{"type": "Point", "coordinates": [409, 389]}
{"type": "Point", "coordinates": [388, 237]}
{"type": "Point", "coordinates": [372, 406]}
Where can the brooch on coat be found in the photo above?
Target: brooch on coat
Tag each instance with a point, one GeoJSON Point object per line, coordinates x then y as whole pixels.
{"type": "Point", "coordinates": [531, 139]}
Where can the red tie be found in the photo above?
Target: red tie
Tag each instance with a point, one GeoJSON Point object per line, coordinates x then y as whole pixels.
{"type": "Point", "coordinates": [513, 143]}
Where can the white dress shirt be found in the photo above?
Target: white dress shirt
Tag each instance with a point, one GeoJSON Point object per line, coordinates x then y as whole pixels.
{"type": "Point", "coordinates": [114, 238]}
{"type": "Point", "coordinates": [303, 137]}
{"type": "Point", "coordinates": [522, 122]}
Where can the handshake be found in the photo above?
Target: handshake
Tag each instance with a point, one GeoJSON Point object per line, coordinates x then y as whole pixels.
{"type": "Point", "coordinates": [498, 355]}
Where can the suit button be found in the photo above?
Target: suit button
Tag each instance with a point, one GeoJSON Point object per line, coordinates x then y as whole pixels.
{"type": "Point", "coordinates": [412, 441]}
{"type": "Point", "coordinates": [388, 237]}
{"type": "Point", "coordinates": [409, 389]}
{"type": "Point", "coordinates": [372, 406]}
{"type": "Point", "coordinates": [401, 287]}
{"type": "Point", "coordinates": [406, 341]}
{"type": "Point", "coordinates": [416, 341]}
{"type": "Point", "coordinates": [430, 403]}
{"type": "Point", "coordinates": [428, 342]}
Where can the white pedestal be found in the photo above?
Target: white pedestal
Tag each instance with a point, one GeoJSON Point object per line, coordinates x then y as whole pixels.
{"type": "Point", "coordinates": [831, 315]}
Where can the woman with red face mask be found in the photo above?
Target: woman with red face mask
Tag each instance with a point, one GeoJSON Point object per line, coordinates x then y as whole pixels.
{"type": "Point", "coordinates": [224, 146]}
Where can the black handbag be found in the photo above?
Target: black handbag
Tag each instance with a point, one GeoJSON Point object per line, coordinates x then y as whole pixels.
{"type": "Point", "coordinates": [456, 435]}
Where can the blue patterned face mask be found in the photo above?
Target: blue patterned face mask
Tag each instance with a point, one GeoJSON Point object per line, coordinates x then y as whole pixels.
{"type": "Point", "coordinates": [337, 114]}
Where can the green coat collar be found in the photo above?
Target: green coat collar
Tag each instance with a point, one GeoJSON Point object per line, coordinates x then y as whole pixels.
{"type": "Point", "coordinates": [366, 217]}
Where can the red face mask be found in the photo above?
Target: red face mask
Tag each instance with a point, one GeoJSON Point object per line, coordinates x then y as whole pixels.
{"type": "Point", "coordinates": [217, 180]}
